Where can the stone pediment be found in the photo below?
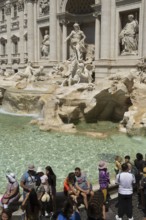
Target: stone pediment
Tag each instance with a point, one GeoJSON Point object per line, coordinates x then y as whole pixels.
{"type": "Point", "coordinates": [15, 38]}
{"type": "Point", "coordinates": [3, 39]}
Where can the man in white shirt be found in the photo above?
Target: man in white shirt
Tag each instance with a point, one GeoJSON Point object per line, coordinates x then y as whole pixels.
{"type": "Point", "coordinates": [125, 180]}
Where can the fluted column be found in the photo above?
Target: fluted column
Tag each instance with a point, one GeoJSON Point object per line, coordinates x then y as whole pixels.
{"type": "Point", "coordinates": [8, 20]}
{"type": "Point", "coordinates": [144, 29]}
{"type": "Point", "coordinates": [53, 30]}
{"type": "Point", "coordinates": [30, 28]}
{"type": "Point", "coordinates": [20, 5]}
{"type": "Point", "coordinates": [105, 29]}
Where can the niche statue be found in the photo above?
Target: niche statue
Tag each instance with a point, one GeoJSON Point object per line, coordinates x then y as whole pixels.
{"type": "Point", "coordinates": [45, 45]}
{"type": "Point", "coordinates": [129, 37]}
{"type": "Point", "coordinates": [77, 38]}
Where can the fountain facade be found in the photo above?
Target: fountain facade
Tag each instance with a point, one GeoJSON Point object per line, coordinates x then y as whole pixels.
{"type": "Point", "coordinates": [66, 84]}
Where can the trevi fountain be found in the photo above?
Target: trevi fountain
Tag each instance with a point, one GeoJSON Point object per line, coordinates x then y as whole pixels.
{"type": "Point", "coordinates": [65, 118]}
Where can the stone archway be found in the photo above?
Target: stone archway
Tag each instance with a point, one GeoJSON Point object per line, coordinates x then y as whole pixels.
{"type": "Point", "coordinates": [79, 11]}
{"type": "Point", "coordinates": [70, 5]}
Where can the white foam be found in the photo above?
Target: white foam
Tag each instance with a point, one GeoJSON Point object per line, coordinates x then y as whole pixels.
{"type": "Point", "coordinates": [2, 111]}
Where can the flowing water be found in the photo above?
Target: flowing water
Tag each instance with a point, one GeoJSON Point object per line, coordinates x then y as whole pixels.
{"type": "Point", "coordinates": [22, 144]}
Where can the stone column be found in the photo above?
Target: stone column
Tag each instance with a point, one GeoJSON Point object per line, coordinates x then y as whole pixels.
{"type": "Point", "coordinates": [53, 30]}
{"type": "Point", "coordinates": [113, 28]}
{"type": "Point", "coordinates": [64, 36]}
{"type": "Point", "coordinates": [144, 29]}
{"type": "Point", "coordinates": [20, 5]}
{"type": "Point", "coordinates": [97, 35]}
{"type": "Point", "coordinates": [35, 33]}
{"type": "Point", "coordinates": [8, 20]}
{"type": "Point", "coordinates": [30, 29]}
{"type": "Point", "coordinates": [105, 28]}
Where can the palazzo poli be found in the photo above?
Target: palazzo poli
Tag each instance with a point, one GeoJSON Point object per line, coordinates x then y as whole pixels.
{"type": "Point", "coordinates": [36, 31]}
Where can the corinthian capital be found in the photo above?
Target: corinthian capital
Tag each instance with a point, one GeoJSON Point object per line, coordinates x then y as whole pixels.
{"type": "Point", "coordinates": [8, 7]}
{"type": "Point", "coordinates": [20, 5]}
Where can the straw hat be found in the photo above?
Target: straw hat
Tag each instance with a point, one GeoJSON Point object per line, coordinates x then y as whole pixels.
{"type": "Point", "coordinates": [11, 177]}
{"type": "Point", "coordinates": [102, 165]}
{"type": "Point", "coordinates": [45, 197]}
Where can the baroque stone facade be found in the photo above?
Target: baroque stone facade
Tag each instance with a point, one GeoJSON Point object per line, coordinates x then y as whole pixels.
{"type": "Point", "coordinates": [35, 30]}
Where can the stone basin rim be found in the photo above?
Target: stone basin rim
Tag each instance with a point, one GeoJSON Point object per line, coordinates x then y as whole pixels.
{"type": "Point", "coordinates": [13, 90]}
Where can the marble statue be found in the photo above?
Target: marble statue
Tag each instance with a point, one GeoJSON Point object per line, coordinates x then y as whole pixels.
{"type": "Point", "coordinates": [78, 72]}
{"type": "Point", "coordinates": [45, 45]}
{"type": "Point", "coordinates": [44, 7]}
{"type": "Point", "coordinates": [128, 37]}
{"type": "Point", "coordinates": [77, 38]}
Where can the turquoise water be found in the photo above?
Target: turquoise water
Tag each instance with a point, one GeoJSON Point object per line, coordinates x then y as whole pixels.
{"type": "Point", "coordinates": [22, 144]}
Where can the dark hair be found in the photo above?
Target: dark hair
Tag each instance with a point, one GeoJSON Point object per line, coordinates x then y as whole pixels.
{"type": "Point", "coordinates": [7, 212]}
{"type": "Point", "coordinates": [95, 206]}
{"type": "Point", "coordinates": [67, 208]}
{"type": "Point", "coordinates": [49, 168]}
{"type": "Point", "coordinates": [33, 200]}
{"type": "Point", "coordinates": [71, 177]}
{"type": "Point", "coordinates": [127, 157]}
{"type": "Point", "coordinates": [139, 156]}
{"type": "Point", "coordinates": [124, 167]}
{"type": "Point", "coordinates": [77, 168]}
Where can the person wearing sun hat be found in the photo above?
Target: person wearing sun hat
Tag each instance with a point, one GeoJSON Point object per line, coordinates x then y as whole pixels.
{"type": "Point", "coordinates": [28, 180]}
{"type": "Point", "coordinates": [104, 178]}
{"type": "Point", "coordinates": [12, 191]}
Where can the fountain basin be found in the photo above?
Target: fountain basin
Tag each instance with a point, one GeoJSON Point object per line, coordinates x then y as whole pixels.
{"type": "Point", "coordinates": [22, 101]}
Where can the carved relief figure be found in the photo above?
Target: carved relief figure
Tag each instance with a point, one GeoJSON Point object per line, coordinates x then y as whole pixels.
{"type": "Point", "coordinates": [44, 7]}
{"type": "Point", "coordinates": [128, 37]}
{"type": "Point", "coordinates": [45, 45]}
{"type": "Point", "coordinates": [77, 38]}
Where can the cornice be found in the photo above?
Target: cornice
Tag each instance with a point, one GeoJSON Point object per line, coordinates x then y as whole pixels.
{"type": "Point", "coordinates": [126, 2]}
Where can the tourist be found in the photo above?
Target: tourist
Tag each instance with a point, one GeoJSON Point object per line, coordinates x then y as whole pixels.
{"type": "Point", "coordinates": [12, 194]}
{"type": "Point", "coordinates": [31, 205]}
{"type": "Point", "coordinates": [132, 167]}
{"type": "Point", "coordinates": [83, 185]}
{"type": "Point", "coordinates": [118, 161]}
{"type": "Point", "coordinates": [28, 180]}
{"type": "Point", "coordinates": [69, 187]}
{"type": "Point", "coordinates": [104, 179]}
{"type": "Point", "coordinates": [139, 163]}
{"type": "Point", "coordinates": [125, 180]}
{"type": "Point", "coordinates": [96, 208]}
{"type": "Point", "coordinates": [77, 38]}
{"type": "Point", "coordinates": [43, 190]}
{"type": "Point", "coordinates": [143, 191]}
{"type": "Point", "coordinates": [6, 215]}
{"type": "Point", "coordinates": [68, 212]}
{"type": "Point", "coordinates": [52, 185]}
{"type": "Point", "coordinates": [128, 36]}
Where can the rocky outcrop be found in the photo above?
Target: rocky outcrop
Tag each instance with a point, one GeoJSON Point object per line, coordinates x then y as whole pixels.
{"type": "Point", "coordinates": [67, 106]}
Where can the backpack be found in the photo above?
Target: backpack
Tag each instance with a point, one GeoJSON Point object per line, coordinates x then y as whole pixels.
{"type": "Point", "coordinates": [143, 184]}
{"type": "Point", "coordinates": [134, 170]}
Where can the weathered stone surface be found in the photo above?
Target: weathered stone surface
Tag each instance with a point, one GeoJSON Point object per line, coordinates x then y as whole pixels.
{"type": "Point", "coordinates": [23, 102]}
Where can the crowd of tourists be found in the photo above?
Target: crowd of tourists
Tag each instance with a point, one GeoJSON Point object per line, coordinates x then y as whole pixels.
{"type": "Point", "coordinates": [39, 192]}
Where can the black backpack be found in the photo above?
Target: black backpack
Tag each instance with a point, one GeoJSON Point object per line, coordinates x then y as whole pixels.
{"type": "Point", "coordinates": [143, 184]}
